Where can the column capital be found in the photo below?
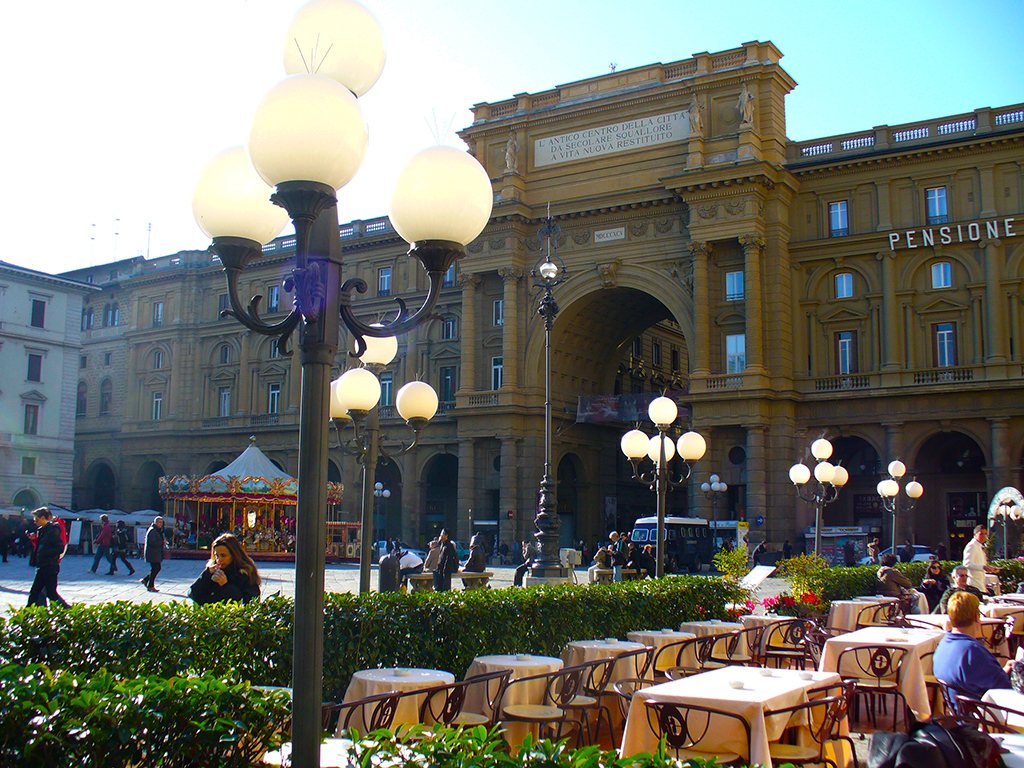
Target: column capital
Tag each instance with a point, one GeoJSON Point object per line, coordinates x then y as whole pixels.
{"type": "Point", "coordinates": [699, 248]}
{"type": "Point", "coordinates": [511, 274]}
{"type": "Point", "coordinates": [753, 241]}
{"type": "Point", "coordinates": [468, 279]}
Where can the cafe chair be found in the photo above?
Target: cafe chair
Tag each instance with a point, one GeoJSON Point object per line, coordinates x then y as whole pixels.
{"type": "Point", "coordinates": [624, 690]}
{"type": "Point", "coordinates": [909, 622]}
{"type": "Point", "coordinates": [814, 643]}
{"type": "Point", "coordinates": [691, 657]}
{"type": "Point", "coordinates": [672, 655]}
{"type": "Point", "coordinates": [596, 680]}
{"type": "Point", "coordinates": [363, 715]}
{"type": "Point", "coordinates": [784, 643]}
{"type": "Point", "coordinates": [692, 731]}
{"type": "Point", "coordinates": [638, 661]}
{"type": "Point", "coordinates": [997, 634]}
{"type": "Point", "coordinates": [822, 718]}
{"type": "Point", "coordinates": [880, 615]}
{"type": "Point", "coordinates": [741, 647]}
{"type": "Point", "coordinates": [876, 671]}
{"type": "Point", "coordinates": [951, 698]}
{"type": "Point", "coordinates": [445, 704]}
{"type": "Point", "coordinates": [984, 715]}
{"type": "Point", "coordinates": [560, 688]}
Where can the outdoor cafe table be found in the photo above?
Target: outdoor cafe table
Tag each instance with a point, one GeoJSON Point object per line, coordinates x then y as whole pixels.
{"type": "Point", "coordinates": [941, 621]}
{"type": "Point", "coordinates": [918, 642]}
{"type": "Point", "coordinates": [521, 665]}
{"type": "Point", "coordinates": [760, 693]}
{"type": "Point", "coordinates": [843, 613]}
{"type": "Point", "coordinates": [369, 682]}
{"type": "Point", "coordinates": [1000, 610]}
{"type": "Point", "coordinates": [1010, 699]}
{"type": "Point", "coordinates": [706, 629]}
{"type": "Point", "coordinates": [580, 651]}
{"type": "Point", "coordinates": [659, 638]}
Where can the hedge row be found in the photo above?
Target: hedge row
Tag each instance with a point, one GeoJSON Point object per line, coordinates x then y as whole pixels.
{"type": "Point", "coordinates": [432, 630]}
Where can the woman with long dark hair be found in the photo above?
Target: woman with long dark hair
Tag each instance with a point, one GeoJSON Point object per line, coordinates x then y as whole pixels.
{"type": "Point", "coordinates": [230, 574]}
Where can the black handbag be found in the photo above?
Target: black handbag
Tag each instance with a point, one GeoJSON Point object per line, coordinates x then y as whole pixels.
{"type": "Point", "coordinates": [934, 746]}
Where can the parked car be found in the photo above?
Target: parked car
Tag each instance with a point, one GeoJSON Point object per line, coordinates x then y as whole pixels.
{"type": "Point", "coordinates": [380, 547]}
{"type": "Point", "coordinates": [922, 554]}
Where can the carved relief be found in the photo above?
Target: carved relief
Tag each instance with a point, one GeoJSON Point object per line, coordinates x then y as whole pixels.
{"type": "Point", "coordinates": [707, 211]}
{"type": "Point", "coordinates": [476, 246]}
{"type": "Point", "coordinates": [682, 270]}
{"type": "Point", "coordinates": [752, 241]}
{"type": "Point", "coordinates": [511, 274]}
{"type": "Point", "coordinates": [608, 273]}
{"type": "Point", "coordinates": [496, 243]}
{"type": "Point", "coordinates": [638, 228]}
{"type": "Point", "coordinates": [661, 226]}
{"type": "Point", "coordinates": [581, 237]}
{"type": "Point", "coordinates": [735, 206]}
{"type": "Point", "coordinates": [699, 248]}
{"type": "Point", "coordinates": [470, 279]}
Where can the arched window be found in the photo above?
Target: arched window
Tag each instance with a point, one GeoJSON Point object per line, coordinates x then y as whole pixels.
{"type": "Point", "coordinates": [106, 396]}
{"type": "Point", "coordinates": [87, 318]}
{"type": "Point", "coordinates": [225, 354]}
{"type": "Point", "coordinates": [111, 315]}
{"type": "Point", "coordinates": [81, 402]}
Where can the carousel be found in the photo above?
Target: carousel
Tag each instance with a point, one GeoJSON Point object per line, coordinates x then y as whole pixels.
{"type": "Point", "coordinates": [253, 499]}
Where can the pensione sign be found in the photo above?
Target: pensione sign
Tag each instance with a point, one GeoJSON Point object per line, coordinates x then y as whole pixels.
{"type": "Point", "coordinates": [951, 233]}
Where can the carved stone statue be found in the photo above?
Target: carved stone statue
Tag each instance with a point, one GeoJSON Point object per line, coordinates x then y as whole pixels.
{"type": "Point", "coordinates": [696, 121]}
{"type": "Point", "coordinates": [511, 154]}
{"type": "Point", "coordinates": [745, 106]}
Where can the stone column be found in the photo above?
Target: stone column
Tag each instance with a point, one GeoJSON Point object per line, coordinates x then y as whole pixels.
{"type": "Point", "coordinates": [467, 373]}
{"type": "Point", "coordinates": [890, 315]}
{"type": "Point", "coordinates": [508, 495]}
{"type": "Point", "coordinates": [243, 397]}
{"type": "Point", "coordinates": [753, 299]}
{"type": "Point", "coordinates": [1001, 474]}
{"type": "Point", "coordinates": [467, 487]}
{"type": "Point", "coordinates": [996, 329]}
{"type": "Point", "coordinates": [511, 277]}
{"type": "Point", "coordinates": [701, 251]}
{"type": "Point", "coordinates": [757, 472]}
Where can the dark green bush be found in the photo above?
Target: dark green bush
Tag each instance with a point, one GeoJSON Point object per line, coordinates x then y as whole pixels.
{"type": "Point", "coordinates": [61, 719]}
{"type": "Point", "coordinates": [437, 631]}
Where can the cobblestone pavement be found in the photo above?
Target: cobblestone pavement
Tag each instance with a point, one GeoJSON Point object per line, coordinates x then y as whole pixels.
{"type": "Point", "coordinates": [78, 585]}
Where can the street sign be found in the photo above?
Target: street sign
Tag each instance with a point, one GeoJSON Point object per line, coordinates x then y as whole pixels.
{"type": "Point", "coordinates": [760, 520]}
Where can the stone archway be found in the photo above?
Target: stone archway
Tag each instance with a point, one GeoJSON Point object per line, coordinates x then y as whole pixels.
{"type": "Point", "coordinates": [950, 466]}
{"type": "Point", "coordinates": [25, 499]}
{"type": "Point", "coordinates": [440, 495]}
{"type": "Point", "coordinates": [147, 492]}
{"type": "Point", "coordinates": [387, 516]}
{"type": "Point", "coordinates": [858, 503]}
{"type": "Point", "coordinates": [101, 487]}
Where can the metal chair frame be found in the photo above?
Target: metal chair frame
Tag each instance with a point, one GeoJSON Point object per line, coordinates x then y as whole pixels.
{"type": "Point", "coordinates": [984, 715]}
{"type": "Point", "coordinates": [560, 688]}
{"type": "Point", "coordinates": [443, 704]}
{"type": "Point", "coordinates": [701, 650]}
{"type": "Point", "coordinates": [784, 640]}
{"type": "Point", "coordinates": [674, 722]}
{"type": "Point", "coordinates": [624, 690]}
{"type": "Point", "coordinates": [381, 708]}
{"type": "Point", "coordinates": [880, 615]}
{"type": "Point", "coordinates": [835, 708]}
{"type": "Point", "coordinates": [878, 674]}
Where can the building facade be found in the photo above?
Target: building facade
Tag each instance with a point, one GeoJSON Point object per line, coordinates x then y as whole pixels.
{"type": "Point", "coordinates": [864, 287]}
{"type": "Point", "coordinates": [40, 345]}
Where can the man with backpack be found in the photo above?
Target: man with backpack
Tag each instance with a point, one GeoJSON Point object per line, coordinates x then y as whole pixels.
{"type": "Point", "coordinates": [121, 540]}
{"type": "Point", "coordinates": [49, 546]}
{"type": "Point", "coordinates": [103, 542]}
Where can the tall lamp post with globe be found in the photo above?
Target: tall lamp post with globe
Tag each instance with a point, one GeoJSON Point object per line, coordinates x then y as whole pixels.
{"type": "Point", "coordinates": [829, 478]}
{"type": "Point", "coordinates": [889, 490]}
{"type": "Point", "coordinates": [711, 489]}
{"type": "Point", "coordinates": [308, 139]}
{"type": "Point", "coordinates": [660, 449]}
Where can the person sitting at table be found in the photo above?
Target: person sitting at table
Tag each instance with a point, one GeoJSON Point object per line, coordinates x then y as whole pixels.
{"type": "Point", "coordinates": [960, 578]}
{"type": "Point", "coordinates": [892, 583]}
{"type": "Point", "coordinates": [934, 584]}
{"type": "Point", "coordinates": [477, 562]}
{"type": "Point", "coordinates": [961, 660]}
{"type": "Point", "coordinates": [230, 574]}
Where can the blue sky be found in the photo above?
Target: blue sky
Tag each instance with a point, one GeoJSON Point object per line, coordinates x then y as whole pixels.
{"type": "Point", "coordinates": [113, 107]}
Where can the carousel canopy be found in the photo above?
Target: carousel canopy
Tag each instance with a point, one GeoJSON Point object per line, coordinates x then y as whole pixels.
{"type": "Point", "coordinates": [252, 477]}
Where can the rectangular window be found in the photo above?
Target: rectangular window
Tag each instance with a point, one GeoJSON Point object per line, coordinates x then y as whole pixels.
{"type": "Point", "coordinates": [448, 384]}
{"type": "Point", "coordinates": [935, 203]}
{"type": "Point", "coordinates": [387, 386]}
{"type": "Point", "coordinates": [655, 353]}
{"type": "Point", "coordinates": [638, 347]}
{"type": "Point", "coordinates": [449, 277]}
{"type": "Point", "coordinates": [224, 402]}
{"type": "Point", "coordinates": [35, 367]}
{"type": "Point", "coordinates": [497, 372]}
{"type": "Point", "coordinates": [38, 313]}
{"type": "Point", "coordinates": [275, 350]}
{"type": "Point", "coordinates": [844, 285]}
{"type": "Point", "coordinates": [106, 397]}
{"type": "Point", "coordinates": [735, 353]}
{"type": "Point", "coordinates": [31, 419]}
{"type": "Point", "coordinates": [449, 328]}
{"type": "Point", "coordinates": [944, 344]}
{"type": "Point", "coordinates": [273, 398]}
{"type": "Point", "coordinates": [83, 362]}
{"type": "Point", "coordinates": [28, 465]}
{"type": "Point", "coordinates": [942, 275]}
{"type": "Point", "coordinates": [222, 304]}
{"type": "Point", "coordinates": [158, 360]}
{"type": "Point", "coordinates": [106, 358]}
{"type": "Point", "coordinates": [846, 352]}
{"type": "Point", "coordinates": [225, 354]}
{"type": "Point", "coordinates": [158, 313]}
{"type": "Point", "coordinates": [675, 359]}
{"type": "Point", "coordinates": [498, 312]}
{"type": "Point", "coordinates": [384, 281]}
{"type": "Point", "coordinates": [734, 286]}
{"type": "Point", "coordinates": [158, 405]}
{"type": "Point", "coordinates": [838, 223]}
{"type": "Point", "coordinates": [273, 298]}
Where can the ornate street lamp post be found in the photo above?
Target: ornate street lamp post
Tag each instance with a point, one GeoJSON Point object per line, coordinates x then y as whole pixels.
{"type": "Point", "coordinates": [308, 139]}
{"type": "Point", "coordinates": [830, 478]}
{"type": "Point", "coordinates": [1006, 510]}
{"type": "Point", "coordinates": [711, 490]}
{"type": "Point", "coordinates": [660, 449]}
{"type": "Point", "coordinates": [547, 274]}
{"type": "Point", "coordinates": [889, 490]}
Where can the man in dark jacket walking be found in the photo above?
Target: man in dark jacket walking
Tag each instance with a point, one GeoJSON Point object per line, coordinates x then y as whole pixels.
{"type": "Point", "coordinates": [154, 553]}
{"type": "Point", "coordinates": [446, 565]}
{"type": "Point", "coordinates": [49, 549]}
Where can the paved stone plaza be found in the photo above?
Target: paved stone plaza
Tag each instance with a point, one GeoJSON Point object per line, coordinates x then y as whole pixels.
{"type": "Point", "coordinates": [78, 585]}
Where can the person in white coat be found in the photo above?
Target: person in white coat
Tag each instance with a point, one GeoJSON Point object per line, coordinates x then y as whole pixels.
{"type": "Point", "coordinates": [975, 559]}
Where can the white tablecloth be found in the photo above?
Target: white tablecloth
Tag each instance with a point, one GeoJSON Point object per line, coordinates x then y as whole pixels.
{"type": "Point", "coordinates": [580, 651]}
{"type": "Point", "coordinates": [784, 688]}
{"type": "Point", "coordinates": [527, 693]}
{"type": "Point", "coordinates": [659, 638]}
{"type": "Point", "coordinates": [842, 614]}
{"type": "Point", "coordinates": [941, 621]}
{"type": "Point", "coordinates": [370, 682]}
{"type": "Point", "coordinates": [917, 642]}
{"type": "Point", "coordinates": [1009, 698]}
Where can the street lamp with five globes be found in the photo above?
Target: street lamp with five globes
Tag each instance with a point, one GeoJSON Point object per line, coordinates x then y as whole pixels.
{"type": "Point", "coordinates": [889, 490]}
{"type": "Point", "coordinates": [829, 479]}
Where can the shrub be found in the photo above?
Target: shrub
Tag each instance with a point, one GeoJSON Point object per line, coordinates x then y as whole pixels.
{"type": "Point", "coordinates": [438, 631]}
{"type": "Point", "coordinates": [55, 719]}
{"type": "Point", "coordinates": [732, 562]}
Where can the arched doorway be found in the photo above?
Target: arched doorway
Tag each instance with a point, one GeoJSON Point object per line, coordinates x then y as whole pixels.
{"type": "Point", "coordinates": [101, 487]}
{"type": "Point", "coordinates": [858, 503]}
{"type": "Point", "coordinates": [387, 510]}
{"type": "Point", "coordinates": [26, 499]}
{"type": "Point", "coordinates": [440, 495]}
{"type": "Point", "coordinates": [567, 497]}
{"type": "Point", "coordinates": [950, 466]}
{"type": "Point", "coordinates": [147, 487]}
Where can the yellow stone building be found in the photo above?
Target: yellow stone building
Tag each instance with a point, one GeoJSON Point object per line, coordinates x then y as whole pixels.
{"type": "Point", "coordinates": [865, 287]}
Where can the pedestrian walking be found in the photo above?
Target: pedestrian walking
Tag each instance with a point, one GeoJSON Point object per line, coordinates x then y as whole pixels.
{"type": "Point", "coordinates": [48, 550]}
{"type": "Point", "coordinates": [120, 547]}
{"type": "Point", "coordinates": [154, 552]}
{"type": "Point", "coordinates": [102, 543]}
{"type": "Point", "coordinates": [447, 564]}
